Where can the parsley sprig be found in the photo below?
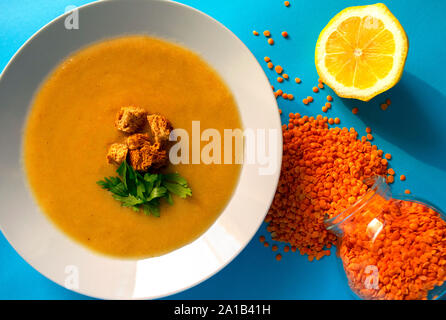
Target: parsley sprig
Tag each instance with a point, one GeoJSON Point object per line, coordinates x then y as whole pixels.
{"type": "Point", "coordinates": [138, 191]}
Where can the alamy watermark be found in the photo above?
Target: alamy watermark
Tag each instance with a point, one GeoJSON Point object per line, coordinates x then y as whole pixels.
{"type": "Point", "coordinates": [72, 20]}
{"type": "Point", "coordinates": [72, 277]}
{"type": "Point", "coordinates": [233, 146]}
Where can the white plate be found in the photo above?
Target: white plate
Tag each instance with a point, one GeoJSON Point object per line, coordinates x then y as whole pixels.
{"type": "Point", "coordinates": [63, 260]}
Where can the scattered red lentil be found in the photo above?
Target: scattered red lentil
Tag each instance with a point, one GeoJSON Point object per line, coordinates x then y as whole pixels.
{"type": "Point", "coordinates": [286, 249]}
{"type": "Point", "coordinates": [322, 173]}
{"type": "Point", "coordinates": [285, 34]}
{"type": "Point", "coordinates": [384, 106]}
{"type": "Point", "coordinates": [262, 238]}
{"type": "Point", "coordinates": [266, 244]}
{"type": "Point", "coordinates": [286, 3]}
{"type": "Point", "coordinates": [315, 89]}
{"type": "Point", "coordinates": [297, 80]}
{"type": "Point", "coordinates": [255, 33]}
{"type": "Point", "coordinates": [310, 99]}
{"type": "Point", "coordinates": [337, 121]}
{"type": "Point", "coordinates": [391, 172]}
{"type": "Point", "coordinates": [369, 137]}
{"type": "Point", "coordinates": [407, 191]}
{"type": "Point", "coordinates": [331, 121]}
{"type": "Point", "coordinates": [402, 177]}
{"type": "Point", "coordinates": [388, 156]}
{"type": "Point", "coordinates": [274, 247]}
{"type": "Point", "coordinates": [279, 79]}
{"type": "Point", "coordinates": [305, 101]}
{"type": "Point", "coordinates": [270, 41]}
{"type": "Point", "coordinates": [267, 59]}
{"type": "Point", "coordinates": [355, 110]}
{"type": "Point", "coordinates": [368, 130]}
{"type": "Point", "coordinates": [328, 105]}
{"type": "Point", "coordinates": [280, 111]}
{"type": "Point", "coordinates": [285, 76]}
{"type": "Point", "coordinates": [320, 85]}
{"type": "Point", "coordinates": [324, 109]}
{"type": "Point", "coordinates": [329, 98]}
{"type": "Point", "coordinates": [388, 102]}
{"type": "Point", "coordinates": [290, 96]}
{"type": "Point", "coordinates": [278, 69]}
{"type": "Point", "coordinates": [266, 33]}
{"type": "Point", "coordinates": [390, 179]}
{"type": "Point", "coordinates": [285, 96]}
{"type": "Point", "coordinates": [278, 257]}
{"type": "Point", "coordinates": [293, 248]}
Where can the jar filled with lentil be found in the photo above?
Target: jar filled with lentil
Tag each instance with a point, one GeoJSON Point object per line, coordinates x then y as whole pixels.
{"type": "Point", "coordinates": [392, 247]}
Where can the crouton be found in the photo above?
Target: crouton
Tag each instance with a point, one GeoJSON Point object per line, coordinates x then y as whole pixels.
{"type": "Point", "coordinates": [149, 156]}
{"type": "Point", "coordinates": [160, 127]}
{"type": "Point", "coordinates": [138, 140]}
{"type": "Point", "coordinates": [130, 119]}
{"type": "Point", "coordinates": [117, 153]}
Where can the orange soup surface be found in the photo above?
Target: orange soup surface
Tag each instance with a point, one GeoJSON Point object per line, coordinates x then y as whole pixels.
{"type": "Point", "coordinates": [71, 126]}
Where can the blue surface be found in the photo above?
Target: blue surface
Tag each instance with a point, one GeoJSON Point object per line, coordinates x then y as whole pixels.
{"type": "Point", "coordinates": [411, 130]}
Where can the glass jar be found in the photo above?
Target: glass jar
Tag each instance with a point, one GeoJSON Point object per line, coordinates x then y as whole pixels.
{"type": "Point", "coordinates": [392, 247]}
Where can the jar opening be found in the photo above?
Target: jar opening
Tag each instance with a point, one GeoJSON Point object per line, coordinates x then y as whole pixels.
{"type": "Point", "coordinates": [378, 187]}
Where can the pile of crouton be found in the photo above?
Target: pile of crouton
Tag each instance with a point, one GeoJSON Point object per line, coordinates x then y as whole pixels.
{"type": "Point", "coordinates": [146, 145]}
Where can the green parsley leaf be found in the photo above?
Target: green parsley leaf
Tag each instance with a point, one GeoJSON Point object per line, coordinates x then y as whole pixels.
{"type": "Point", "coordinates": [176, 178]}
{"type": "Point", "coordinates": [157, 192]}
{"type": "Point", "coordinates": [122, 172]}
{"type": "Point", "coordinates": [169, 199]}
{"type": "Point", "coordinates": [128, 201]}
{"type": "Point", "coordinates": [144, 192]}
{"type": "Point", "coordinates": [178, 189]}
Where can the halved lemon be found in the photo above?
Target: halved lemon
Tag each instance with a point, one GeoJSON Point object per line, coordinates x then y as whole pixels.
{"type": "Point", "coordinates": [361, 52]}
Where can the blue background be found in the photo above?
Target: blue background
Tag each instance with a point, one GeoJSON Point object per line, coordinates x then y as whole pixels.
{"type": "Point", "coordinates": [411, 129]}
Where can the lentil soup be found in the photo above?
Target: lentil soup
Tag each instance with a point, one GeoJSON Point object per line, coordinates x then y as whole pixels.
{"type": "Point", "coordinates": [70, 128]}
